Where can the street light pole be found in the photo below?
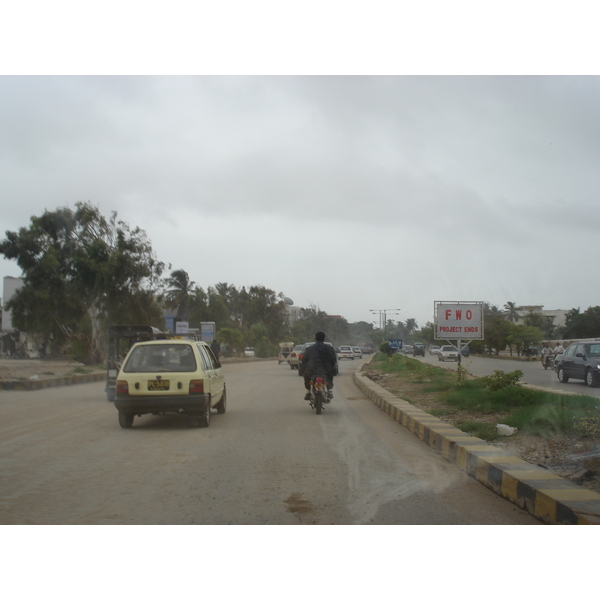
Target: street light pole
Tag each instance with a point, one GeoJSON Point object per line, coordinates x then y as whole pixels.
{"type": "Point", "coordinates": [383, 315]}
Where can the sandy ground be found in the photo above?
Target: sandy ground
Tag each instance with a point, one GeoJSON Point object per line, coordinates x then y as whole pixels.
{"type": "Point", "coordinates": [19, 369]}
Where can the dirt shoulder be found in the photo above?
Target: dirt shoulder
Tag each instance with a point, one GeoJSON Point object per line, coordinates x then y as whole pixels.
{"type": "Point", "coordinates": [25, 369]}
{"type": "Point", "coordinates": [561, 454]}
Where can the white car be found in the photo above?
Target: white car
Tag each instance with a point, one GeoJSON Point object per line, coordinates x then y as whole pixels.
{"type": "Point", "coordinates": [357, 352]}
{"type": "Point", "coordinates": [249, 352]}
{"type": "Point", "coordinates": [433, 349]}
{"type": "Point", "coordinates": [345, 352]}
{"type": "Point", "coordinates": [448, 353]}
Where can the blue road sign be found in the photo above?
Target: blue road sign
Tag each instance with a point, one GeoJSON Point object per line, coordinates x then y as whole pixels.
{"type": "Point", "coordinates": [395, 344]}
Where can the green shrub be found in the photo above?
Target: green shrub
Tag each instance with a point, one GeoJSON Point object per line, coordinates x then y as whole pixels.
{"type": "Point", "coordinates": [384, 347]}
{"type": "Point", "coordinates": [500, 380]}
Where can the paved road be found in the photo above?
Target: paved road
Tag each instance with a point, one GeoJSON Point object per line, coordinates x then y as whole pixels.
{"type": "Point", "coordinates": [268, 460]}
{"type": "Point", "coordinates": [533, 373]}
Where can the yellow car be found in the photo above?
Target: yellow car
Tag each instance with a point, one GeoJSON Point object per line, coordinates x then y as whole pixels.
{"type": "Point", "coordinates": [170, 376]}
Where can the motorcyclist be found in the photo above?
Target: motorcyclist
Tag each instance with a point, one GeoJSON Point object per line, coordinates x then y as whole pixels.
{"type": "Point", "coordinates": [559, 349]}
{"type": "Point", "coordinates": [319, 359]}
{"type": "Point", "coordinates": [546, 353]}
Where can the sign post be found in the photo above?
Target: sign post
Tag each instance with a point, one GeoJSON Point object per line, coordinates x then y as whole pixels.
{"type": "Point", "coordinates": [207, 331]}
{"type": "Point", "coordinates": [458, 321]}
{"type": "Point", "coordinates": [395, 344]}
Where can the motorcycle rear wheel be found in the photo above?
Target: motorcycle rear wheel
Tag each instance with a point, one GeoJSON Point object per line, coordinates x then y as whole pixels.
{"type": "Point", "coordinates": [318, 402]}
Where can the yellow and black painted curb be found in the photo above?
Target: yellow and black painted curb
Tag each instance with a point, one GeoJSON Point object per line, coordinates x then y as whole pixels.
{"type": "Point", "coordinates": [542, 493]}
{"type": "Point", "coordinates": [38, 384]}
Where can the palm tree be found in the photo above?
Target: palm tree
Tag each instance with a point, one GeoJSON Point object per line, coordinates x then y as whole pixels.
{"type": "Point", "coordinates": [411, 325]}
{"type": "Point", "coordinates": [510, 312]}
{"type": "Point", "coordinates": [180, 289]}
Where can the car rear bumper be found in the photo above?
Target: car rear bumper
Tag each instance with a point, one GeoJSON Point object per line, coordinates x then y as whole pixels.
{"type": "Point", "coordinates": [140, 405]}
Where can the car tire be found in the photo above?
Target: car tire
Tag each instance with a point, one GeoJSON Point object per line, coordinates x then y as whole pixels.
{"type": "Point", "coordinates": [562, 376]}
{"type": "Point", "coordinates": [204, 419]}
{"type": "Point", "coordinates": [590, 380]}
{"type": "Point", "coordinates": [125, 420]}
{"type": "Point", "coordinates": [222, 404]}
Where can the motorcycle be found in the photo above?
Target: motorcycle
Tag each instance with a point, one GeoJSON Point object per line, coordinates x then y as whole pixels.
{"type": "Point", "coordinates": [318, 393]}
{"type": "Point", "coordinates": [548, 361]}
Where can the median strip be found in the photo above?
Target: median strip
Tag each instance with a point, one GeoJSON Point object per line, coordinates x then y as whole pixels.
{"type": "Point", "coordinates": [542, 493]}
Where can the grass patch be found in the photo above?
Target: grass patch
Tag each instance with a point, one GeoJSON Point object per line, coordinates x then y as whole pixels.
{"type": "Point", "coordinates": [479, 404]}
{"type": "Point", "coordinates": [485, 431]}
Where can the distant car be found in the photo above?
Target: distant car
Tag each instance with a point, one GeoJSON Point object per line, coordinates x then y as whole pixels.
{"type": "Point", "coordinates": [170, 376]}
{"type": "Point", "coordinates": [293, 357]}
{"type": "Point", "coordinates": [345, 352]}
{"type": "Point", "coordinates": [448, 353]}
{"type": "Point", "coordinates": [579, 361]}
{"type": "Point", "coordinates": [249, 351]}
{"type": "Point", "coordinates": [465, 351]}
{"type": "Point", "coordinates": [433, 349]}
{"type": "Point", "coordinates": [367, 350]}
{"type": "Point", "coordinates": [301, 355]}
{"type": "Point", "coordinates": [357, 352]}
{"type": "Point", "coordinates": [418, 348]}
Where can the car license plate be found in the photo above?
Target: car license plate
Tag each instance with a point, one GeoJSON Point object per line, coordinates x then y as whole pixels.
{"type": "Point", "coordinates": [158, 385]}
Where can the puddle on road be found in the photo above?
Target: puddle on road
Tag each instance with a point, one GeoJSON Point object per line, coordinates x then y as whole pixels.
{"type": "Point", "coordinates": [296, 504]}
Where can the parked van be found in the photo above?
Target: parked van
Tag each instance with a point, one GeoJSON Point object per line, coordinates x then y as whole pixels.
{"type": "Point", "coordinates": [285, 349]}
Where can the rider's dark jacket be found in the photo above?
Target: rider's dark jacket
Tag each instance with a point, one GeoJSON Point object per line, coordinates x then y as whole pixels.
{"type": "Point", "coordinates": [319, 359]}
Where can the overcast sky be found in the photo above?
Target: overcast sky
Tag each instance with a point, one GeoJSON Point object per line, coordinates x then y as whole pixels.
{"type": "Point", "coordinates": [351, 193]}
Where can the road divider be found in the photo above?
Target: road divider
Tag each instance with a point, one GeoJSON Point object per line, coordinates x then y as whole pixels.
{"type": "Point", "coordinates": [542, 493]}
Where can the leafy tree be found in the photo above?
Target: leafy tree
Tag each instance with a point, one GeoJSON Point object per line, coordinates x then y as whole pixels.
{"type": "Point", "coordinates": [314, 319]}
{"type": "Point", "coordinates": [582, 325]}
{"type": "Point", "coordinates": [362, 332]}
{"type": "Point", "coordinates": [82, 272]}
{"type": "Point", "coordinates": [523, 336]}
{"type": "Point", "coordinates": [542, 322]}
{"type": "Point", "coordinates": [427, 333]}
{"type": "Point", "coordinates": [496, 328]}
{"type": "Point", "coordinates": [217, 309]}
{"type": "Point", "coordinates": [233, 338]}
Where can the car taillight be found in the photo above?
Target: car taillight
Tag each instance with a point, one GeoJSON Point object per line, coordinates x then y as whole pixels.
{"type": "Point", "coordinates": [320, 380]}
{"type": "Point", "coordinates": [197, 386]}
{"type": "Point", "coordinates": [122, 388]}
{"type": "Point", "coordinates": [300, 356]}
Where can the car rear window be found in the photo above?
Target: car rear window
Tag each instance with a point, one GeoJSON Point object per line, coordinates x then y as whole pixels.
{"type": "Point", "coordinates": [160, 358]}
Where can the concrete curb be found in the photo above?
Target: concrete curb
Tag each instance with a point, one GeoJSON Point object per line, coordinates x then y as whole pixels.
{"type": "Point", "coordinates": [545, 495]}
{"type": "Point", "coordinates": [38, 384]}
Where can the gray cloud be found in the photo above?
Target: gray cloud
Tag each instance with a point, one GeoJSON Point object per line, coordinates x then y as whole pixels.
{"type": "Point", "coordinates": [405, 190]}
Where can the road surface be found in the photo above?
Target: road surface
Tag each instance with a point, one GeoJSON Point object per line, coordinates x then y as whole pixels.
{"type": "Point", "coordinates": [268, 460]}
{"type": "Point", "coordinates": [533, 372]}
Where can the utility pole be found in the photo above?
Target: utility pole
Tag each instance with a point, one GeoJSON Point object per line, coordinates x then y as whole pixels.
{"type": "Point", "coordinates": [383, 316]}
